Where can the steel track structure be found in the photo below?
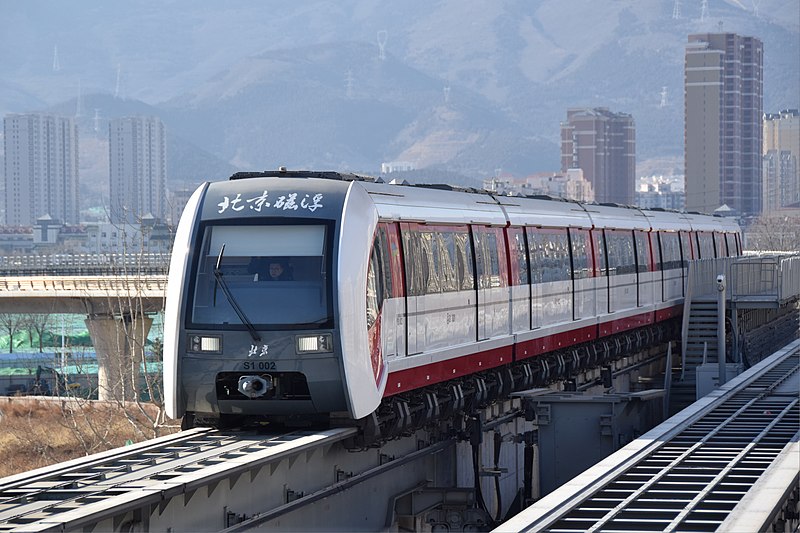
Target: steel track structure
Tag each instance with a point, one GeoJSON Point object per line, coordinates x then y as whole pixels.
{"type": "Point", "coordinates": [729, 462]}
{"type": "Point", "coordinates": [83, 493]}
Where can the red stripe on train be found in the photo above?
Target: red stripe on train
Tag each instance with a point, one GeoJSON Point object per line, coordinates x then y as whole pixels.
{"type": "Point", "coordinates": [413, 378]}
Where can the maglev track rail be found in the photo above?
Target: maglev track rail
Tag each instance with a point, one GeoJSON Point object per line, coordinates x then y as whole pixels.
{"type": "Point", "coordinates": [83, 492]}
{"type": "Point", "coordinates": [731, 462]}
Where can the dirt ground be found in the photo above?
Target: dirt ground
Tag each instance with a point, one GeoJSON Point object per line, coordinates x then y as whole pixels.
{"type": "Point", "coordinates": [40, 432]}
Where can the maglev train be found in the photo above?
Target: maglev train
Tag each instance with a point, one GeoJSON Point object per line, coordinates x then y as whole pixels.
{"type": "Point", "coordinates": [310, 293]}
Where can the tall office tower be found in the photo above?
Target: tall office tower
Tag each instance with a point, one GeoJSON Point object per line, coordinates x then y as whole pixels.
{"type": "Point", "coordinates": [138, 165]}
{"type": "Point", "coordinates": [41, 168]}
{"type": "Point", "coordinates": [723, 108]}
{"type": "Point", "coordinates": [603, 145]}
{"type": "Point", "coordinates": [781, 152]}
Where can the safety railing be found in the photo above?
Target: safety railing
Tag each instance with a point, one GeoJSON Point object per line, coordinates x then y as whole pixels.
{"type": "Point", "coordinates": [84, 264]}
{"type": "Point", "coordinates": [769, 277]}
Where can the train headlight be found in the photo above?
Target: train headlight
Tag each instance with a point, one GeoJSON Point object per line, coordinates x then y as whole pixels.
{"type": "Point", "coordinates": [314, 343]}
{"type": "Point", "coordinates": [205, 343]}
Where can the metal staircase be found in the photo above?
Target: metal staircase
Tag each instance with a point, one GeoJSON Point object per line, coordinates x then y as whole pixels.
{"type": "Point", "coordinates": [766, 282]}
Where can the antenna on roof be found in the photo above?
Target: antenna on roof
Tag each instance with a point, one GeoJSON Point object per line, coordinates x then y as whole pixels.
{"type": "Point", "coordinates": [383, 36]}
{"type": "Point", "coordinates": [56, 64]}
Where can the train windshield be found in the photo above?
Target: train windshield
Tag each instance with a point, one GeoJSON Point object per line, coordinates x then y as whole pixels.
{"type": "Point", "coordinates": [278, 276]}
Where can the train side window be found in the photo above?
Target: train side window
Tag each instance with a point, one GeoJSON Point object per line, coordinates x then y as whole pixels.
{"type": "Point", "coordinates": [464, 261]}
{"type": "Point", "coordinates": [581, 257]}
{"type": "Point", "coordinates": [670, 250]}
{"type": "Point", "coordinates": [430, 250]}
{"type": "Point", "coordinates": [519, 256]}
{"type": "Point", "coordinates": [487, 259]}
{"type": "Point", "coordinates": [600, 252]}
{"type": "Point", "coordinates": [642, 251]}
{"type": "Point", "coordinates": [687, 250]}
{"type": "Point", "coordinates": [379, 278]}
{"type": "Point", "coordinates": [705, 241]}
{"type": "Point", "coordinates": [416, 280]}
{"type": "Point", "coordinates": [719, 244]}
{"type": "Point", "coordinates": [654, 245]}
{"type": "Point", "coordinates": [730, 240]}
{"type": "Point", "coordinates": [549, 255]}
{"type": "Point", "coordinates": [449, 274]}
{"type": "Point", "coordinates": [621, 256]}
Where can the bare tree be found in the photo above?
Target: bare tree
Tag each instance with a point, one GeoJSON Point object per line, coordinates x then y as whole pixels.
{"type": "Point", "coordinates": [774, 232]}
{"type": "Point", "coordinates": [38, 323]}
{"type": "Point", "coordinates": [11, 324]}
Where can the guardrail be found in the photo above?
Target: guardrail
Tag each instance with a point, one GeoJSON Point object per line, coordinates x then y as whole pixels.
{"type": "Point", "coordinates": [84, 264]}
{"type": "Point", "coordinates": [774, 277]}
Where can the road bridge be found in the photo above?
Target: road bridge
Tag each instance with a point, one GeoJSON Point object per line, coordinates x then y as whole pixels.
{"type": "Point", "coordinates": [116, 298]}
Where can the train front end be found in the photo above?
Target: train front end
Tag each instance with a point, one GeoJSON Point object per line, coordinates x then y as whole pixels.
{"type": "Point", "coordinates": [259, 302]}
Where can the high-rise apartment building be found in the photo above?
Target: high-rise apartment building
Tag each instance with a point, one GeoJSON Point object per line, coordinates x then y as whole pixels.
{"type": "Point", "coordinates": [781, 155]}
{"type": "Point", "coordinates": [723, 110]}
{"type": "Point", "coordinates": [41, 168]}
{"type": "Point", "coordinates": [138, 169]}
{"type": "Point", "coordinates": [603, 145]}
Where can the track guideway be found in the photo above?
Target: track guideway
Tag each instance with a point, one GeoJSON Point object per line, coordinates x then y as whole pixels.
{"type": "Point", "coordinates": [692, 472]}
{"type": "Point", "coordinates": [86, 491]}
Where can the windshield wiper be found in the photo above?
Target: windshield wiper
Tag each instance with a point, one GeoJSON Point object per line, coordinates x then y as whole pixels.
{"type": "Point", "coordinates": [219, 280]}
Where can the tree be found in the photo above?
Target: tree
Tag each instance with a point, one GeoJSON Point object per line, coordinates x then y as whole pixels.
{"type": "Point", "coordinates": [11, 324]}
{"type": "Point", "coordinates": [37, 322]}
{"type": "Point", "coordinates": [774, 232]}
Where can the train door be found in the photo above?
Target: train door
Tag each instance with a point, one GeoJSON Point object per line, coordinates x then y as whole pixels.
{"type": "Point", "coordinates": [382, 303]}
{"type": "Point", "coordinates": [519, 306]}
{"type": "Point", "coordinates": [551, 276]}
{"type": "Point", "coordinates": [601, 267]}
{"type": "Point", "coordinates": [621, 270]}
{"type": "Point", "coordinates": [687, 254]}
{"type": "Point", "coordinates": [645, 286]}
{"type": "Point", "coordinates": [658, 276]}
{"type": "Point", "coordinates": [416, 281]}
{"type": "Point", "coordinates": [583, 302]}
{"type": "Point", "coordinates": [671, 265]}
{"type": "Point", "coordinates": [492, 282]}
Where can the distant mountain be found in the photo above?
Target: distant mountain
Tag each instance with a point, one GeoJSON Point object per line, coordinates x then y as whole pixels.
{"type": "Point", "coordinates": [464, 85]}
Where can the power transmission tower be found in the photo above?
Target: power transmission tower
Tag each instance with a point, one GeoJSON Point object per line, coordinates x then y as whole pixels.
{"type": "Point", "coordinates": [446, 94]}
{"type": "Point", "coordinates": [349, 83]}
{"type": "Point", "coordinates": [663, 97]}
{"type": "Point", "coordinates": [676, 10]}
{"type": "Point", "coordinates": [116, 86]}
{"type": "Point", "coordinates": [56, 64]}
{"type": "Point", "coordinates": [78, 112]}
{"type": "Point", "coordinates": [383, 36]}
{"type": "Point", "coordinates": [703, 10]}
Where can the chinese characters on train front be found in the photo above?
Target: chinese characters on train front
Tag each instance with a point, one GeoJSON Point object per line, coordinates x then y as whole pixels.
{"type": "Point", "coordinates": [283, 202]}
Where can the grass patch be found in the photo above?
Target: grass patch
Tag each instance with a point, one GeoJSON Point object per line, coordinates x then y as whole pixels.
{"type": "Point", "coordinates": [38, 433]}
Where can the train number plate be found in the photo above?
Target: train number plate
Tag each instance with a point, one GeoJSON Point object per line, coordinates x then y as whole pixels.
{"type": "Point", "coordinates": [258, 365]}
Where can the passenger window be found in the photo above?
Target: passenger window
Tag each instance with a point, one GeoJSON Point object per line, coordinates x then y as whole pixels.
{"type": "Point", "coordinates": [642, 251]}
{"type": "Point", "coordinates": [519, 256]}
{"type": "Point", "coordinates": [621, 256]}
{"type": "Point", "coordinates": [549, 255]}
{"type": "Point", "coordinates": [581, 257]}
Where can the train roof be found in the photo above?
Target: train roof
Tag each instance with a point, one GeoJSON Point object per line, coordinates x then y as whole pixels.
{"type": "Point", "coordinates": [434, 204]}
{"type": "Point", "coordinates": [445, 204]}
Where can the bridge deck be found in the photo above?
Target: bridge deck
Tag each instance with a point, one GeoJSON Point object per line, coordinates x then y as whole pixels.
{"type": "Point", "coordinates": [726, 463]}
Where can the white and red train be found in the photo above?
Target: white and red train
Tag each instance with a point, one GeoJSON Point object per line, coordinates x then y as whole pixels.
{"type": "Point", "coordinates": [385, 289]}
